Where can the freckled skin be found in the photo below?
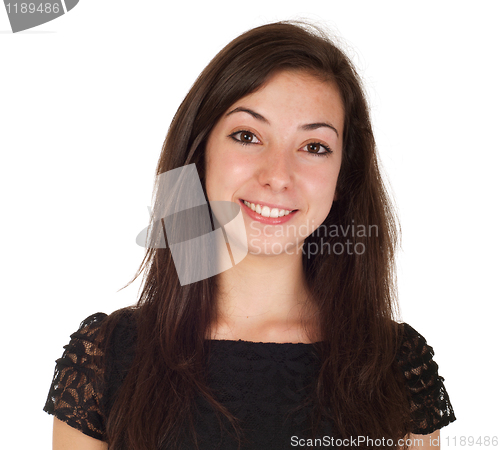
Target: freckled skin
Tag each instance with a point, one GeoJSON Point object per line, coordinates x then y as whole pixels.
{"type": "Point", "coordinates": [277, 165]}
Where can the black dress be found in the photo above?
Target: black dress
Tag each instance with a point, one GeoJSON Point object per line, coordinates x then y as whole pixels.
{"type": "Point", "coordinates": [260, 383]}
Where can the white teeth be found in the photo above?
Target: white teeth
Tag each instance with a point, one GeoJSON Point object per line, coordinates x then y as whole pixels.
{"type": "Point", "coordinates": [266, 211]}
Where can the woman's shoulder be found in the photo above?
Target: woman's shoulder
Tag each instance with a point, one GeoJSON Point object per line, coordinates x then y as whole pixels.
{"type": "Point", "coordinates": [101, 332]}
{"type": "Point", "coordinates": [113, 336]}
{"type": "Point", "coordinates": [88, 330]}
{"type": "Point", "coordinates": [414, 355]}
{"type": "Point", "coordinates": [413, 347]}
{"type": "Point", "coordinates": [430, 404]}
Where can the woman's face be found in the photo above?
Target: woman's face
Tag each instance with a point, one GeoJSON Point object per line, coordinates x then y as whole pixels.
{"type": "Point", "coordinates": [277, 153]}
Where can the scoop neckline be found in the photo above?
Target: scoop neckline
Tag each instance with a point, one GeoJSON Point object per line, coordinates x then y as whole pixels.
{"type": "Point", "coordinates": [243, 341]}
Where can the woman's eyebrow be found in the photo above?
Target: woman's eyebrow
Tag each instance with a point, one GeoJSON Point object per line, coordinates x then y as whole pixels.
{"type": "Point", "coordinates": [314, 126]}
{"type": "Point", "coordinates": [249, 111]}
{"type": "Point", "coordinates": [256, 115]}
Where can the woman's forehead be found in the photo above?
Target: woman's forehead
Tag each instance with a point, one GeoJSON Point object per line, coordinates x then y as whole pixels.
{"type": "Point", "coordinates": [296, 95]}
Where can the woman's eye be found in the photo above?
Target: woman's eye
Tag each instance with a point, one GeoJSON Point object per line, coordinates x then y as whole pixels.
{"type": "Point", "coordinates": [317, 149]}
{"type": "Point", "coordinates": [245, 137]}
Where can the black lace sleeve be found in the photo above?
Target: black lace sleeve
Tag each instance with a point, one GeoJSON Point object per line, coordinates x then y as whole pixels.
{"type": "Point", "coordinates": [430, 405]}
{"type": "Point", "coordinates": [75, 396]}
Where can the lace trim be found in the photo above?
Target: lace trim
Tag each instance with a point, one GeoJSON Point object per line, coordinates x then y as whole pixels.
{"type": "Point", "coordinates": [429, 402]}
{"type": "Point", "coordinates": [75, 394]}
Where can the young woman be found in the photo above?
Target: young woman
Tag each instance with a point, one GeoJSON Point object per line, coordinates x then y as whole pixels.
{"type": "Point", "coordinates": [294, 345]}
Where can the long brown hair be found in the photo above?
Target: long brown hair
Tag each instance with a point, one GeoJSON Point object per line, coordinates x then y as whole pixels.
{"type": "Point", "coordinates": [358, 388]}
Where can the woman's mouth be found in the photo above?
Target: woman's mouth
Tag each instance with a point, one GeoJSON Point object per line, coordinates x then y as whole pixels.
{"type": "Point", "coordinates": [265, 211]}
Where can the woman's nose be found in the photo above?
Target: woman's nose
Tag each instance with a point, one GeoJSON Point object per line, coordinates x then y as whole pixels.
{"type": "Point", "coordinates": [275, 170]}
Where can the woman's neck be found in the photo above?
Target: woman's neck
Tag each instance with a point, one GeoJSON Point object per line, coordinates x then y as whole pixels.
{"type": "Point", "coordinates": [264, 299]}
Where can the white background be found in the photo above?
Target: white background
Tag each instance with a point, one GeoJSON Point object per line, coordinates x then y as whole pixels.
{"type": "Point", "coordinates": [86, 101]}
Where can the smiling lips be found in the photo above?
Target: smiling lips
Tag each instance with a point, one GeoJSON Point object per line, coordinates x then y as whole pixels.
{"type": "Point", "coordinates": [264, 212]}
